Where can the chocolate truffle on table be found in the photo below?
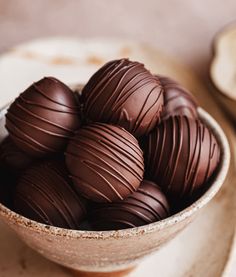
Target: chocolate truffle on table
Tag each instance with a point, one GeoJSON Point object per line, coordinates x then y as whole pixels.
{"type": "Point", "coordinates": [105, 162]}
{"type": "Point", "coordinates": [180, 155]}
{"type": "Point", "coordinates": [148, 204]}
{"type": "Point", "coordinates": [12, 157]}
{"type": "Point", "coordinates": [45, 194]}
{"type": "Point", "coordinates": [42, 119]}
{"type": "Point", "coordinates": [177, 99]}
{"type": "Point", "coordinates": [124, 93]}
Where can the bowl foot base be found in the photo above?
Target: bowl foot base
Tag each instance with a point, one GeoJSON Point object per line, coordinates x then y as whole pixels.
{"type": "Point", "coordinates": [120, 273]}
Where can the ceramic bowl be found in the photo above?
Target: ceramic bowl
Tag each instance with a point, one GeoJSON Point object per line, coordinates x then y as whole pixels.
{"type": "Point", "coordinates": [110, 251]}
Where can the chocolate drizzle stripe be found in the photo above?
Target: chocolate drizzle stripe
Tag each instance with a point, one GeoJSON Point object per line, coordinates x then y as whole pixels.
{"type": "Point", "coordinates": [135, 212]}
{"type": "Point", "coordinates": [54, 201]}
{"type": "Point", "coordinates": [117, 92]}
{"type": "Point", "coordinates": [122, 178]}
{"type": "Point", "coordinates": [53, 196]}
{"type": "Point", "coordinates": [147, 193]}
{"type": "Point", "coordinates": [16, 138]}
{"type": "Point", "coordinates": [200, 131]}
{"type": "Point", "coordinates": [179, 139]}
{"type": "Point", "coordinates": [192, 160]}
{"type": "Point", "coordinates": [42, 119]}
{"type": "Point", "coordinates": [38, 144]}
{"type": "Point", "coordinates": [88, 91]}
{"type": "Point", "coordinates": [129, 141]}
{"type": "Point", "coordinates": [186, 95]}
{"type": "Point", "coordinates": [90, 187]}
{"type": "Point", "coordinates": [171, 158]}
{"type": "Point", "coordinates": [50, 99]}
{"type": "Point", "coordinates": [188, 164]}
{"type": "Point", "coordinates": [181, 108]}
{"type": "Point", "coordinates": [154, 121]}
{"type": "Point", "coordinates": [33, 103]}
{"type": "Point", "coordinates": [124, 95]}
{"type": "Point", "coordinates": [90, 132]}
{"type": "Point", "coordinates": [36, 208]}
{"type": "Point", "coordinates": [134, 90]}
{"type": "Point", "coordinates": [141, 117]}
{"type": "Point", "coordinates": [139, 203]}
{"type": "Point", "coordinates": [190, 169]}
{"type": "Point", "coordinates": [209, 158]}
{"type": "Point", "coordinates": [93, 167]}
{"type": "Point", "coordinates": [115, 156]}
{"type": "Point", "coordinates": [114, 70]}
{"type": "Point", "coordinates": [36, 127]}
{"type": "Point", "coordinates": [162, 138]}
{"type": "Point", "coordinates": [108, 165]}
{"type": "Point", "coordinates": [106, 79]}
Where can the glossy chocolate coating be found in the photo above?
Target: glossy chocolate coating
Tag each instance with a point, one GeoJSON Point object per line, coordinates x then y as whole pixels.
{"type": "Point", "coordinates": [105, 162]}
{"type": "Point", "coordinates": [42, 119]}
{"type": "Point", "coordinates": [124, 93]}
{"type": "Point", "coordinates": [180, 155]}
{"type": "Point", "coordinates": [148, 204]}
{"type": "Point", "coordinates": [177, 99]}
{"type": "Point", "coordinates": [45, 194]}
{"type": "Point", "coordinates": [12, 157]}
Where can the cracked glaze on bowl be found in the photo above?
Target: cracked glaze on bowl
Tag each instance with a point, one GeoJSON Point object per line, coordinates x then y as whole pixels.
{"type": "Point", "coordinates": [112, 250]}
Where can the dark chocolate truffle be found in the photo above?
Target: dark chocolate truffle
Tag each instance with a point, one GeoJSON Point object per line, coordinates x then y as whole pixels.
{"type": "Point", "coordinates": [105, 162]}
{"type": "Point", "coordinates": [12, 157]}
{"type": "Point", "coordinates": [45, 194]}
{"type": "Point", "coordinates": [148, 204]}
{"type": "Point", "coordinates": [180, 155]}
{"type": "Point", "coordinates": [124, 93]}
{"type": "Point", "coordinates": [43, 117]}
{"type": "Point", "coordinates": [177, 99]}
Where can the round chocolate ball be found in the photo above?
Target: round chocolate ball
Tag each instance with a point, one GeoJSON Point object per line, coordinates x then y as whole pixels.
{"type": "Point", "coordinates": [42, 119]}
{"type": "Point", "coordinates": [124, 93]}
{"type": "Point", "coordinates": [105, 162]}
{"type": "Point", "coordinates": [148, 204]}
{"type": "Point", "coordinates": [45, 194]}
{"type": "Point", "coordinates": [12, 157]}
{"type": "Point", "coordinates": [177, 99]}
{"type": "Point", "coordinates": [180, 155]}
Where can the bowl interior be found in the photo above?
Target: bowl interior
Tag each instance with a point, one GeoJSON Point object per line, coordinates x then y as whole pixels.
{"type": "Point", "coordinates": [214, 186]}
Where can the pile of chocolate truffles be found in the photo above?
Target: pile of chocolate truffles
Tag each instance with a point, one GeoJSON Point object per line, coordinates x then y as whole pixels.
{"type": "Point", "coordinates": [126, 151]}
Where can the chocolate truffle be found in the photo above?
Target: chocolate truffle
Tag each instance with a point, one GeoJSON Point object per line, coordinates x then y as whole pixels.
{"type": "Point", "coordinates": [12, 157]}
{"type": "Point", "coordinates": [124, 93]}
{"type": "Point", "coordinates": [177, 99]}
{"type": "Point", "coordinates": [105, 162]}
{"type": "Point", "coordinates": [180, 155]}
{"type": "Point", "coordinates": [43, 117]}
{"type": "Point", "coordinates": [45, 194]}
{"type": "Point", "coordinates": [148, 204]}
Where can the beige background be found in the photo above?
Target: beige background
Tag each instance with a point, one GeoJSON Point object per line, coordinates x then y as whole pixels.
{"type": "Point", "coordinates": [182, 28]}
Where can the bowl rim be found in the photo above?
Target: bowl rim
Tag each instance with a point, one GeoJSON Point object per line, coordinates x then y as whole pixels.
{"type": "Point", "coordinates": [12, 218]}
{"type": "Point", "coordinates": [214, 51]}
